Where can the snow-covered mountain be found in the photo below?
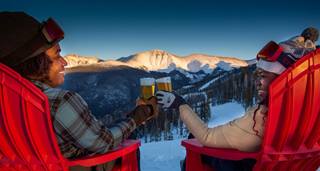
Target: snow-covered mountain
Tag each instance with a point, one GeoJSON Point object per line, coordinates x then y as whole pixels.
{"type": "Point", "coordinates": [75, 60]}
{"type": "Point", "coordinates": [251, 61]}
{"type": "Point", "coordinates": [162, 61]}
{"type": "Point", "coordinates": [159, 60]}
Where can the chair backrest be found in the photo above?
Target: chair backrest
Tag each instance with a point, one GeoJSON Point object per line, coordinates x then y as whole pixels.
{"type": "Point", "coordinates": [292, 133]}
{"type": "Point", "coordinates": [27, 140]}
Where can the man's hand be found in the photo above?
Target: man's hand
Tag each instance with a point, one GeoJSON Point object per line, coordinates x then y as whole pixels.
{"type": "Point", "coordinates": [153, 102]}
{"type": "Point", "coordinates": [169, 100]}
{"type": "Point", "coordinates": [145, 110]}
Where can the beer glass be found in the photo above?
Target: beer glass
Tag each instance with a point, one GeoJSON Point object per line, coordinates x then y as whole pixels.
{"type": "Point", "coordinates": [147, 88]}
{"type": "Point", "coordinates": [164, 84]}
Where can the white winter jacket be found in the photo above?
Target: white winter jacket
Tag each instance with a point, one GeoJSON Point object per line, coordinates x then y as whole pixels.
{"type": "Point", "coordinates": [237, 134]}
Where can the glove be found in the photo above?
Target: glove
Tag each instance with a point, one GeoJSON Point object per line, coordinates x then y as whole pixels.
{"type": "Point", "coordinates": [153, 102]}
{"type": "Point", "coordinates": [169, 100]}
{"type": "Point", "coordinates": [140, 114]}
{"type": "Point", "coordinates": [144, 111]}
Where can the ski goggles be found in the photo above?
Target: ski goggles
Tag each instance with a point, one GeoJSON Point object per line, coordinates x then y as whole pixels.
{"type": "Point", "coordinates": [273, 52]}
{"type": "Point", "coordinates": [52, 31]}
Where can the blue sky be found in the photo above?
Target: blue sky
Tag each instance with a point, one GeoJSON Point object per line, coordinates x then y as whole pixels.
{"type": "Point", "coordinates": [114, 29]}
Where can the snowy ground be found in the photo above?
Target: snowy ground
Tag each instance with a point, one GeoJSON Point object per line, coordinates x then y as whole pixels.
{"type": "Point", "coordinates": [162, 156]}
{"type": "Point", "coordinates": [166, 155]}
{"type": "Point", "coordinates": [224, 113]}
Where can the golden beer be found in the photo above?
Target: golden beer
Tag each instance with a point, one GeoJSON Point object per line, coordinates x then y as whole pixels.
{"type": "Point", "coordinates": [164, 84]}
{"type": "Point", "coordinates": [164, 87]}
{"type": "Point", "coordinates": [147, 88]}
{"type": "Point", "coordinates": [147, 92]}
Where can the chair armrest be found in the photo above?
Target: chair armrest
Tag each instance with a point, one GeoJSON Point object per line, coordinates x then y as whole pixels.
{"type": "Point", "coordinates": [194, 146]}
{"type": "Point", "coordinates": [123, 149]}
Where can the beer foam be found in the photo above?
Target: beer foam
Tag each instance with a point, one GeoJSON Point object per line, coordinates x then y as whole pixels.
{"type": "Point", "coordinates": [164, 80]}
{"type": "Point", "coordinates": [147, 81]}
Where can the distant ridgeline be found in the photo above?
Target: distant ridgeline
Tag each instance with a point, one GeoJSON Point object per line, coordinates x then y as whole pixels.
{"type": "Point", "coordinates": [111, 93]}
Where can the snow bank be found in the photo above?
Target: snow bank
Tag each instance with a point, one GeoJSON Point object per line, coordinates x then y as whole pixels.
{"type": "Point", "coordinates": [162, 156]}
{"type": "Point", "coordinates": [223, 113]}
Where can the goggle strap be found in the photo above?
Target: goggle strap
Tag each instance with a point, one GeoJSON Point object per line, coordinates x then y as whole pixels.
{"type": "Point", "coordinates": [275, 56]}
{"type": "Point", "coordinates": [286, 59]}
{"type": "Point", "coordinates": [46, 35]}
{"type": "Point", "coordinates": [52, 31]}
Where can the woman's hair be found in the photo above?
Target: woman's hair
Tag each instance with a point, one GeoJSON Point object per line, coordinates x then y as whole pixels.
{"type": "Point", "coordinates": [36, 68]}
{"type": "Point", "coordinates": [255, 122]}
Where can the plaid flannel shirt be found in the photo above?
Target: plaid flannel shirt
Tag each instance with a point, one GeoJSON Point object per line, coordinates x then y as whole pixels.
{"type": "Point", "coordinates": [78, 132]}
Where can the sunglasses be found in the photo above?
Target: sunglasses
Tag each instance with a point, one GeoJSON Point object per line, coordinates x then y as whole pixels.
{"type": "Point", "coordinates": [273, 52]}
{"type": "Point", "coordinates": [52, 31]}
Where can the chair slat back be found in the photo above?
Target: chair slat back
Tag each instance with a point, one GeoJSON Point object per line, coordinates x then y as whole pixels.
{"type": "Point", "coordinates": [292, 132]}
{"type": "Point", "coordinates": [28, 141]}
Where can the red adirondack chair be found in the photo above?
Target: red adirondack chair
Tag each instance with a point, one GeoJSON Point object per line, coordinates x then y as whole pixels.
{"type": "Point", "coordinates": [292, 132]}
{"type": "Point", "coordinates": [27, 139]}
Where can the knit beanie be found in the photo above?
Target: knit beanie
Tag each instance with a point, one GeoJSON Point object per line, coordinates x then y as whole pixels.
{"type": "Point", "coordinates": [310, 33]}
{"type": "Point", "coordinates": [17, 32]}
{"type": "Point", "coordinates": [295, 47]}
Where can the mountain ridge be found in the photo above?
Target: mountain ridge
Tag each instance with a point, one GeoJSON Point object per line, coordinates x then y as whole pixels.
{"type": "Point", "coordinates": [162, 61]}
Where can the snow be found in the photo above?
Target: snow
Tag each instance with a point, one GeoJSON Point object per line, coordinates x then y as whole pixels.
{"type": "Point", "coordinates": [166, 155]}
{"type": "Point", "coordinates": [194, 66]}
{"type": "Point", "coordinates": [187, 86]}
{"type": "Point", "coordinates": [210, 82]}
{"type": "Point", "coordinates": [224, 113]}
{"type": "Point", "coordinates": [162, 156]}
{"type": "Point", "coordinates": [252, 61]}
{"type": "Point", "coordinates": [155, 60]}
{"type": "Point", "coordinates": [190, 95]}
{"type": "Point", "coordinates": [76, 60]}
{"type": "Point", "coordinates": [162, 61]}
{"type": "Point", "coordinates": [224, 66]}
{"type": "Point", "coordinates": [170, 68]}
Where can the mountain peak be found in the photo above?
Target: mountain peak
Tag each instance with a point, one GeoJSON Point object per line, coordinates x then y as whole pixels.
{"type": "Point", "coordinates": [157, 51]}
{"type": "Point", "coordinates": [163, 61]}
{"type": "Point", "coordinates": [159, 60]}
{"type": "Point", "coordinates": [154, 53]}
{"type": "Point", "coordinates": [75, 60]}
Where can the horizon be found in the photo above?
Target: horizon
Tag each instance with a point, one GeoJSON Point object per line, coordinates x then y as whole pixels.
{"type": "Point", "coordinates": [151, 50]}
{"type": "Point", "coordinates": [111, 30]}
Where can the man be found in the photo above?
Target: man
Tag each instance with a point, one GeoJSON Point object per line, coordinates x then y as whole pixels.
{"type": "Point", "coordinates": [245, 133]}
{"type": "Point", "coordinates": [32, 49]}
